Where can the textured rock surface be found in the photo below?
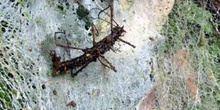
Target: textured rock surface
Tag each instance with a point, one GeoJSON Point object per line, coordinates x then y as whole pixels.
{"type": "Point", "coordinates": [27, 36]}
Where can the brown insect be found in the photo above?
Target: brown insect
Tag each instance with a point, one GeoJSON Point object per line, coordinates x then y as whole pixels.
{"type": "Point", "coordinates": [90, 54]}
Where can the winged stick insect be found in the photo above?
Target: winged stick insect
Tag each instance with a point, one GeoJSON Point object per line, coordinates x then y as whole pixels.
{"type": "Point", "coordinates": [90, 54]}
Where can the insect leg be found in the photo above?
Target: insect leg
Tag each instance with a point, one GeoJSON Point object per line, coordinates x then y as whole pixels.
{"type": "Point", "coordinates": [111, 17]}
{"type": "Point", "coordinates": [76, 73]}
{"type": "Point", "coordinates": [110, 65]}
{"type": "Point", "coordinates": [95, 32]}
{"type": "Point", "coordinates": [126, 42]}
{"type": "Point", "coordinates": [113, 49]}
{"type": "Point", "coordinates": [111, 14]}
{"type": "Point", "coordinates": [65, 46]}
{"type": "Point", "coordinates": [103, 11]}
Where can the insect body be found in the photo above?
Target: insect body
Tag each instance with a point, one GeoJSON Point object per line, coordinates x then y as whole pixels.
{"type": "Point", "coordinates": [90, 54]}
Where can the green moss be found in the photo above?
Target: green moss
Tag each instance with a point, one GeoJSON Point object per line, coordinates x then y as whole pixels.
{"type": "Point", "coordinates": [8, 104]}
{"type": "Point", "coordinates": [67, 5]}
{"type": "Point", "coordinates": [201, 107]}
{"type": "Point", "coordinates": [60, 9]}
{"type": "Point", "coordinates": [189, 27]}
{"type": "Point", "coordinates": [2, 94]}
{"type": "Point", "coordinates": [201, 40]}
{"type": "Point", "coordinates": [6, 97]}
{"type": "Point", "coordinates": [185, 23]}
{"type": "Point", "coordinates": [14, 92]}
{"type": "Point", "coordinates": [82, 12]}
{"type": "Point", "coordinates": [21, 2]}
{"type": "Point", "coordinates": [5, 93]}
{"type": "Point", "coordinates": [1, 85]}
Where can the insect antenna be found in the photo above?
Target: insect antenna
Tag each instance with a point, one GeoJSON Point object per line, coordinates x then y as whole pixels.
{"type": "Point", "coordinates": [64, 46]}
{"type": "Point", "coordinates": [111, 17]}
{"type": "Point", "coordinates": [110, 66]}
{"type": "Point", "coordinates": [103, 11]}
{"type": "Point", "coordinates": [76, 73]}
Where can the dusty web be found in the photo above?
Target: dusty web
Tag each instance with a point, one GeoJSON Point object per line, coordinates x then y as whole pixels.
{"type": "Point", "coordinates": [27, 36]}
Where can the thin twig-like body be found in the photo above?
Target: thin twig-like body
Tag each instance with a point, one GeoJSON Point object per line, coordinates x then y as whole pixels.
{"type": "Point", "coordinates": [90, 54]}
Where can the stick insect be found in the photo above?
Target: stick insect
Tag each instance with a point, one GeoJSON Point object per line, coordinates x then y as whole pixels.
{"type": "Point", "coordinates": [96, 52]}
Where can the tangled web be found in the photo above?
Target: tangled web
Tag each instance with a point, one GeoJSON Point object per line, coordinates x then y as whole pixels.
{"type": "Point", "coordinates": [26, 37]}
